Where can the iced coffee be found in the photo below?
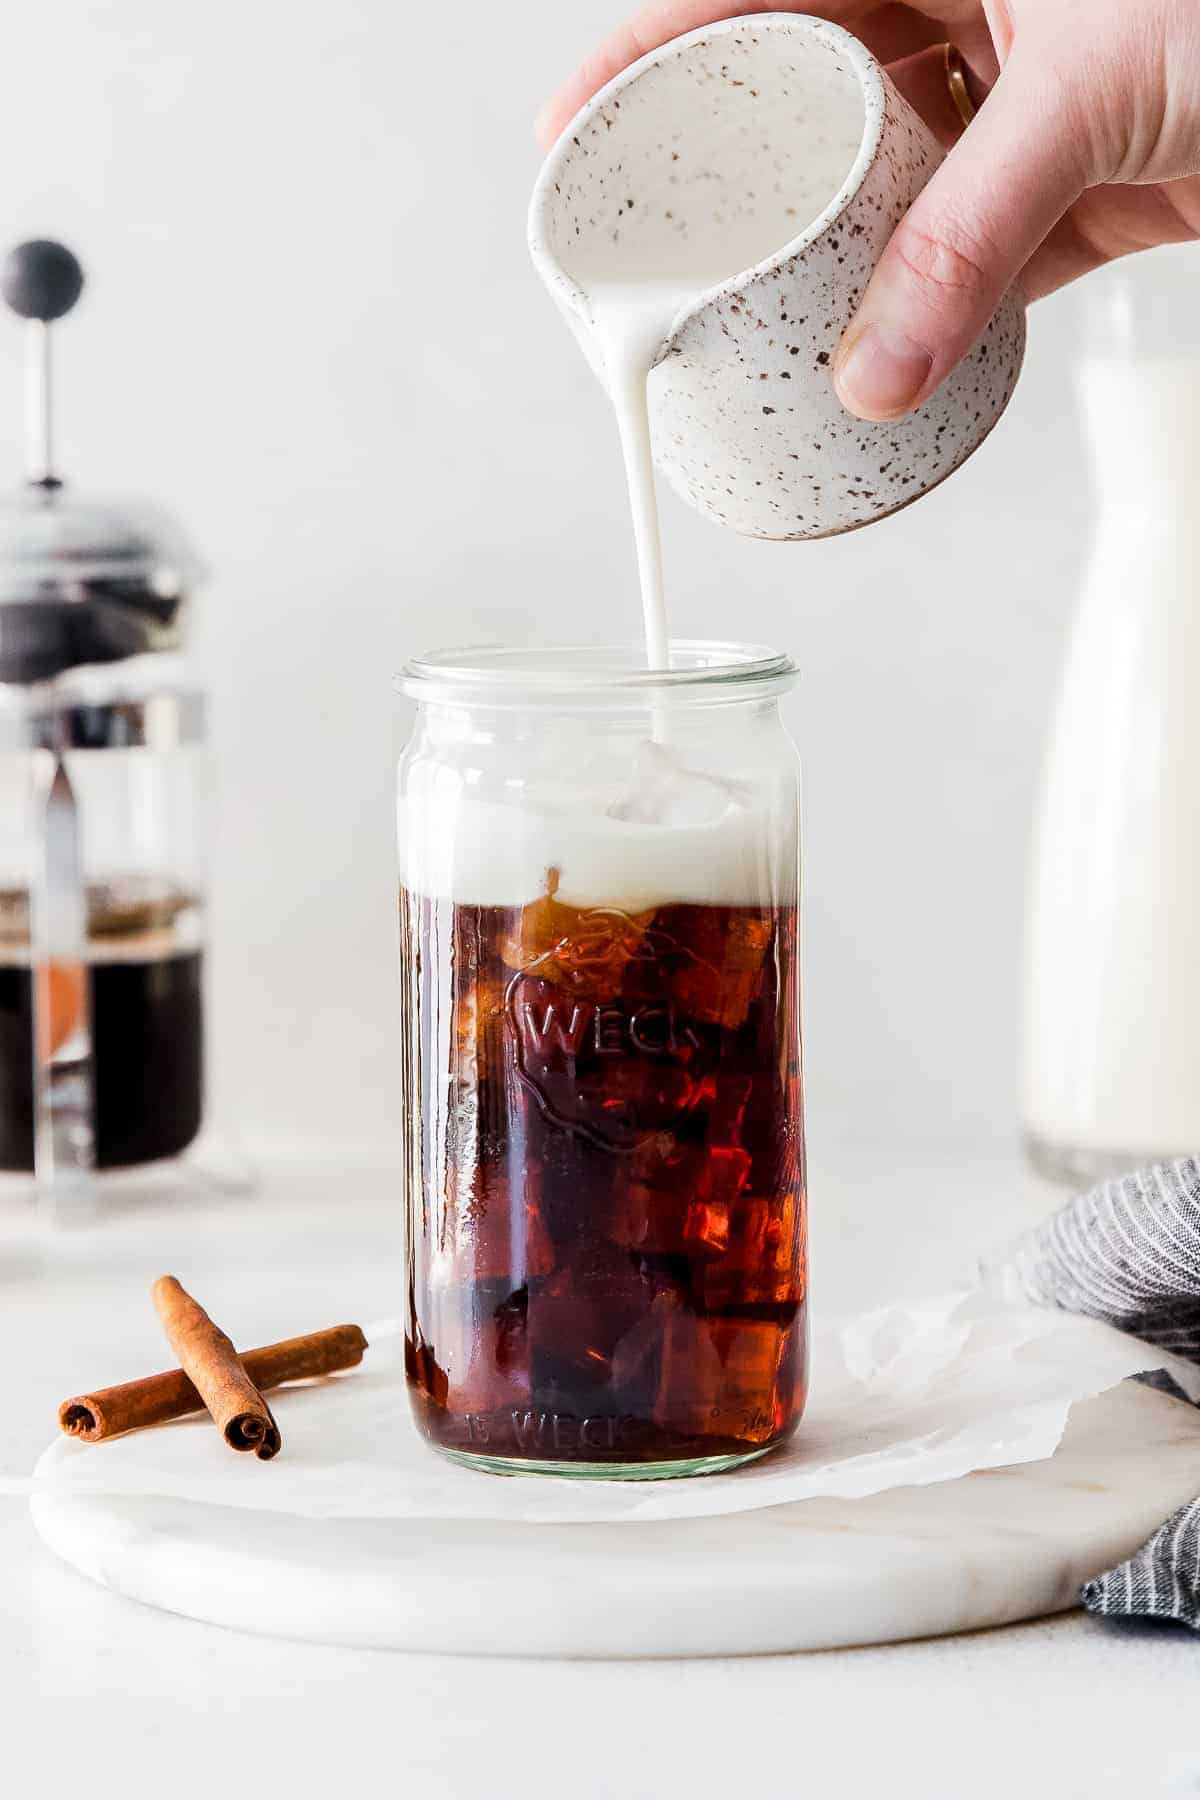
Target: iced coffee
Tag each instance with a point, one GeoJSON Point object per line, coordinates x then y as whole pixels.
{"type": "Point", "coordinates": [606, 1261]}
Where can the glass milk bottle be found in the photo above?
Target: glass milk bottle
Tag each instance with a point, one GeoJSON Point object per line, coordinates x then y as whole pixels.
{"type": "Point", "coordinates": [1112, 1050]}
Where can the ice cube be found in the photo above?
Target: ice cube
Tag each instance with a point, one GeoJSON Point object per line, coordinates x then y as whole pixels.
{"type": "Point", "coordinates": [668, 1366]}
{"type": "Point", "coordinates": [676, 1198]}
{"type": "Point", "coordinates": [748, 1400]}
{"type": "Point", "coordinates": [664, 791]}
{"type": "Point", "coordinates": [719, 979]}
{"type": "Point", "coordinates": [577, 1319]}
{"type": "Point", "coordinates": [704, 1377]}
{"type": "Point", "coordinates": [584, 951]}
{"type": "Point", "coordinates": [535, 932]}
{"type": "Point", "coordinates": [765, 1259]}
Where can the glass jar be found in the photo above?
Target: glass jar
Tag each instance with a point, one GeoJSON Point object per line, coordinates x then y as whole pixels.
{"type": "Point", "coordinates": [607, 1268]}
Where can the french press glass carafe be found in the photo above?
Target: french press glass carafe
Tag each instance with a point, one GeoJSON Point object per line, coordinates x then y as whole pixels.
{"type": "Point", "coordinates": [103, 786]}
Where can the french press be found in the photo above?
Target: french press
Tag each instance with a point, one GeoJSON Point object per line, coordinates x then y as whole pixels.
{"type": "Point", "coordinates": [103, 786]}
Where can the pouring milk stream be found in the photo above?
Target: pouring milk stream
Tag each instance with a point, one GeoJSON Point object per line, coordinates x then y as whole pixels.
{"type": "Point", "coordinates": [632, 318]}
{"type": "Point", "coordinates": [634, 304]}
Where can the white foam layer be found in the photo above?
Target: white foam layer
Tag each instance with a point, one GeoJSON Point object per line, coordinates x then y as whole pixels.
{"type": "Point", "coordinates": [483, 854]}
{"type": "Point", "coordinates": [704, 842]}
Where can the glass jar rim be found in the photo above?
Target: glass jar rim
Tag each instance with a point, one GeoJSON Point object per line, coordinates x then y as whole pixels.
{"type": "Point", "coordinates": [503, 674]}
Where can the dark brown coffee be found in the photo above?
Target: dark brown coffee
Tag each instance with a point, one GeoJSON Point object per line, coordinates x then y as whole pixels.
{"type": "Point", "coordinates": [147, 1027]}
{"type": "Point", "coordinates": [607, 1203]}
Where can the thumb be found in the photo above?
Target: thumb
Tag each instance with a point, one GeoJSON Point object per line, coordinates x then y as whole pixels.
{"type": "Point", "coordinates": [1004, 186]}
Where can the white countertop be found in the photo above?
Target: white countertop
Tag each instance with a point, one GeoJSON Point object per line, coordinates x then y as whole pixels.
{"type": "Point", "coordinates": [100, 1697]}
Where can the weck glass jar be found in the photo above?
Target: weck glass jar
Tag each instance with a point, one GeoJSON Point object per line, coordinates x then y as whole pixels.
{"type": "Point", "coordinates": [607, 1269]}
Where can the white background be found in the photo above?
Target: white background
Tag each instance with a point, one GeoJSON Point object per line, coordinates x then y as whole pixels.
{"type": "Point", "coordinates": [311, 328]}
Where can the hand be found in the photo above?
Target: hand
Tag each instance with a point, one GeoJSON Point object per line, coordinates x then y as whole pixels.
{"type": "Point", "coordinates": [1086, 147]}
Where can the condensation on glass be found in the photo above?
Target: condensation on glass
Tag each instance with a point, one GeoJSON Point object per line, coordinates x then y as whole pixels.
{"type": "Point", "coordinates": [605, 1172]}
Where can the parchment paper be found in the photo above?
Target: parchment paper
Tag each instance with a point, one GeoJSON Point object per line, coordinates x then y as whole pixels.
{"type": "Point", "coordinates": [904, 1396]}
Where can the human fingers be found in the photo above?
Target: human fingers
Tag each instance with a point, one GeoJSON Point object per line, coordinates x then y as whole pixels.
{"type": "Point", "coordinates": [988, 208]}
{"type": "Point", "coordinates": [1109, 222]}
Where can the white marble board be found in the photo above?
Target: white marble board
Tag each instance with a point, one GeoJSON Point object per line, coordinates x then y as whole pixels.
{"type": "Point", "coordinates": [997, 1546]}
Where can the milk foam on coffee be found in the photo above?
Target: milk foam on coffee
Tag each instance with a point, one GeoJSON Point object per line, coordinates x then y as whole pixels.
{"type": "Point", "coordinates": [667, 835]}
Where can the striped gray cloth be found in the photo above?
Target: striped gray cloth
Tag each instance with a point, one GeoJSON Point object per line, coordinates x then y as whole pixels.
{"type": "Point", "coordinates": [1128, 1252]}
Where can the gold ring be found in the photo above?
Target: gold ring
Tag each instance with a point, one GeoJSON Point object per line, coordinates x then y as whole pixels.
{"type": "Point", "coordinates": [956, 81]}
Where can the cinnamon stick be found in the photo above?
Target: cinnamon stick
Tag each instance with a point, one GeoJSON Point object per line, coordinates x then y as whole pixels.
{"type": "Point", "coordinates": [209, 1358]}
{"type": "Point", "coordinates": [155, 1399]}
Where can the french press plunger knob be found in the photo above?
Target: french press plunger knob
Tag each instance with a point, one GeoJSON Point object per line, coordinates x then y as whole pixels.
{"type": "Point", "coordinates": [41, 280]}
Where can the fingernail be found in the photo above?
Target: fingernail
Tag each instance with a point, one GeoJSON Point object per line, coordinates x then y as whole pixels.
{"type": "Point", "coordinates": [882, 372]}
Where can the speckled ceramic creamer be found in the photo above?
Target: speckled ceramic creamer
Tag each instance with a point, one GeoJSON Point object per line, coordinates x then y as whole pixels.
{"type": "Point", "coordinates": [777, 131]}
